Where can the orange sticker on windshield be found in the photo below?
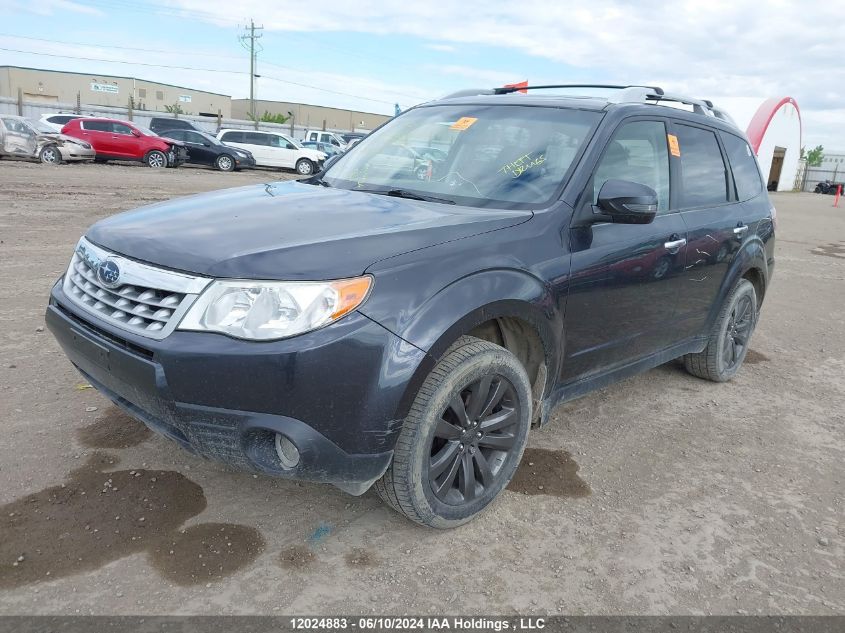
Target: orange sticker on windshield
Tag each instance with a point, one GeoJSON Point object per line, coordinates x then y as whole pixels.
{"type": "Point", "coordinates": [463, 123]}
{"type": "Point", "coordinates": [673, 145]}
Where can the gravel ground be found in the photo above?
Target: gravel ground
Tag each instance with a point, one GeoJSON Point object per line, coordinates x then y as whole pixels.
{"type": "Point", "coordinates": [663, 494]}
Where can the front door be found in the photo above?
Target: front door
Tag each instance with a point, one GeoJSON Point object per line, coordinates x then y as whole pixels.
{"type": "Point", "coordinates": [625, 278]}
{"type": "Point", "coordinates": [199, 148]}
{"type": "Point", "coordinates": [20, 140]}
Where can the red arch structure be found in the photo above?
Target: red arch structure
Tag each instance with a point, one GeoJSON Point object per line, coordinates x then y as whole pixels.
{"type": "Point", "coordinates": [764, 115]}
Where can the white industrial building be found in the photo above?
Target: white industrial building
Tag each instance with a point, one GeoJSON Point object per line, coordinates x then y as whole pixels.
{"type": "Point", "coordinates": [773, 128]}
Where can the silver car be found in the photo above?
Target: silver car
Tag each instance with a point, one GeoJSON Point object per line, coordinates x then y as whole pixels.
{"type": "Point", "coordinates": [22, 138]}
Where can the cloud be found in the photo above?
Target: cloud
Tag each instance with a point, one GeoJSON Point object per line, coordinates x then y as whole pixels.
{"type": "Point", "coordinates": [480, 77]}
{"type": "Point", "coordinates": [443, 48]}
{"type": "Point", "coordinates": [709, 49]}
{"type": "Point", "coordinates": [52, 7]}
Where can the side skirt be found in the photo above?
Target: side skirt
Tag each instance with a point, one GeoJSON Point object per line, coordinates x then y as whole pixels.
{"type": "Point", "coordinates": [583, 386]}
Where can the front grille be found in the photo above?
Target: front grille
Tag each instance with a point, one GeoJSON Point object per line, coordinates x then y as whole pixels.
{"type": "Point", "coordinates": [149, 302]}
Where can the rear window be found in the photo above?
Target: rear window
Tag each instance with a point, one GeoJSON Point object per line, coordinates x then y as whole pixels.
{"type": "Point", "coordinates": [171, 124]}
{"type": "Point", "coordinates": [747, 177]}
{"type": "Point", "coordinates": [97, 126]}
{"type": "Point", "coordinates": [232, 137]}
{"type": "Point", "coordinates": [61, 119]}
{"type": "Point", "coordinates": [704, 177]}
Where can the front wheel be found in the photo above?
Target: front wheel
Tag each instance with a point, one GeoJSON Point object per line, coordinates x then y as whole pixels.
{"type": "Point", "coordinates": [730, 337]}
{"type": "Point", "coordinates": [51, 155]}
{"type": "Point", "coordinates": [304, 167]}
{"type": "Point", "coordinates": [225, 163]}
{"type": "Point", "coordinates": [155, 159]}
{"type": "Point", "coordinates": [463, 438]}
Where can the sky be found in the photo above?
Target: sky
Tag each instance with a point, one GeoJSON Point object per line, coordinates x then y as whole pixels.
{"type": "Point", "coordinates": [371, 54]}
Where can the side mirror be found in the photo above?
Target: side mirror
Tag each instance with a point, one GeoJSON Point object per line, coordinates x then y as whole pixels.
{"type": "Point", "coordinates": [206, 144]}
{"type": "Point", "coordinates": [626, 202]}
{"type": "Point", "coordinates": [136, 133]}
{"type": "Point", "coordinates": [331, 160]}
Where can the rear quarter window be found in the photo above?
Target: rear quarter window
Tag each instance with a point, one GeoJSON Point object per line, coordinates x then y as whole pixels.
{"type": "Point", "coordinates": [747, 177]}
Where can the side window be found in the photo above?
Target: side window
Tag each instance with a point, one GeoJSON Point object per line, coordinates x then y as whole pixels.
{"type": "Point", "coordinates": [255, 138]}
{"type": "Point", "coordinates": [176, 135]}
{"type": "Point", "coordinates": [747, 176]}
{"type": "Point", "coordinates": [97, 126]}
{"type": "Point", "coordinates": [704, 176]}
{"type": "Point", "coordinates": [233, 137]}
{"type": "Point", "coordinates": [638, 153]}
{"type": "Point", "coordinates": [119, 128]}
{"type": "Point", "coordinates": [192, 137]}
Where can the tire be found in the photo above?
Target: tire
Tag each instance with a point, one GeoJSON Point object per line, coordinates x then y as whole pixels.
{"type": "Point", "coordinates": [432, 436]}
{"type": "Point", "coordinates": [304, 167]}
{"type": "Point", "coordinates": [730, 338]}
{"type": "Point", "coordinates": [225, 162]}
{"type": "Point", "coordinates": [50, 155]}
{"type": "Point", "coordinates": [155, 159]}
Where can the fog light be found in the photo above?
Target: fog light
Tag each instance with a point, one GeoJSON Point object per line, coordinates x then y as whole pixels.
{"type": "Point", "coordinates": [287, 452]}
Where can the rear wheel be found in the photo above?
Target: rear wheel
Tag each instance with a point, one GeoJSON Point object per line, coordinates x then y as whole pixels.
{"type": "Point", "coordinates": [304, 167]}
{"type": "Point", "coordinates": [463, 438]}
{"type": "Point", "coordinates": [729, 340]}
{"type": "Point", "coordinates": [155, 159]}
{"type": "Point", "coordinates": [50, 155]}
{"type": "Point", "coordinates": [225, 163]}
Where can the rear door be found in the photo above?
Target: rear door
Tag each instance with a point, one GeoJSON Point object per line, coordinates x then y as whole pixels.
{"type": "Point", "coordinates": [19, 139]}
{"type": "Point", "coordinates": [716, 222]}
{"type": "Point", "coordinates": [625, 278]}
{"type": "Point", "coordinates": [99, 134]}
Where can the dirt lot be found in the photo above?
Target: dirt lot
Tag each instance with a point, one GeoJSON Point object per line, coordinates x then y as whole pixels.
{"type": "Point", "coordinates": [663, 494]}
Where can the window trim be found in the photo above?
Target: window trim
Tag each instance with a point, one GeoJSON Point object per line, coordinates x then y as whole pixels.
{"type": "Point", "coordinates": [762, 180]}
{"type": "Point", "coordinates": [586, 197]}
{"type": "Point", "coordinates": [731, 192]}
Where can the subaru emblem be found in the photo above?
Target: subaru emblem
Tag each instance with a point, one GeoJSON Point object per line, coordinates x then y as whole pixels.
{"type": "Point", "coordinates": [108, 273]}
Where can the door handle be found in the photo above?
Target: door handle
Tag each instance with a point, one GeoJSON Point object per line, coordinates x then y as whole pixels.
{"type": "Point", "coordinates": [675, 245]}
{"type": "Point", "coordinates": [740, 230]}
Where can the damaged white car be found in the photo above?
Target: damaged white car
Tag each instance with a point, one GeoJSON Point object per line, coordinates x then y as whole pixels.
{"type": "Point", "coordinates": [22, 138]}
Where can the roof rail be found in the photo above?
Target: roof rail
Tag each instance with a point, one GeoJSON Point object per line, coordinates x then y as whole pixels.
{"type": "Point", "coordinates": [509, 89]}
{"type": "Point", "coordinates": [624, 94]}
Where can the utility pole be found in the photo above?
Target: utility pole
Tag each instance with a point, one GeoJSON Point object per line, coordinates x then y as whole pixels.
{"type": "Point", "coordinates": [253, 52]}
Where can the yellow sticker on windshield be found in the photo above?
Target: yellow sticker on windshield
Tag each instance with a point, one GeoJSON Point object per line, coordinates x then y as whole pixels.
{"type": "Point", "coordinates": [463, 123]}
{"type": "Point", "coordinates": [673, 145]}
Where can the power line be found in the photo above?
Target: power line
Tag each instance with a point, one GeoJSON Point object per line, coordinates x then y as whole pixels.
{"type": "Point", "coordinates": [121, 48]}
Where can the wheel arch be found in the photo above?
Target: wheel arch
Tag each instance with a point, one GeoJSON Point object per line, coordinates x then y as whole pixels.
{"type": "Point", "coordinates": [749, 263]}
{"type": "Point", "coordinates": [506, 307]}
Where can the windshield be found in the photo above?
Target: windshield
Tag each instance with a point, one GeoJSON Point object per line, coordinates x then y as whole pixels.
{"type": "Point", "coordinates": [484, 156]}
{"type": "Point", "coordinates": [145, 131]}
{"type": "Point", "coordinates": [40, 127]}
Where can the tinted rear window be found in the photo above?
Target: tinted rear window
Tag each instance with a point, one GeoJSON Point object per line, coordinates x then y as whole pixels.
{"type": "Point", "coordinates": [704, 173]}
{"type": "Point", "coordinates": [170, 124]}
{"type": "Point", "coordinates": [97, 126]}
{"type": "Point", "coordinates": [60, 119]}
{"type": "Point", "coordinates": [747, 176]}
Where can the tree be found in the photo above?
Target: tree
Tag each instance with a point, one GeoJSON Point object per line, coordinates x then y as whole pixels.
{"type": "Point", "coordinates": [815, 156]}
{"type": "Point", "coordinates": [174, 109]}
{"type": "Point", "coordinates": [271, 118]}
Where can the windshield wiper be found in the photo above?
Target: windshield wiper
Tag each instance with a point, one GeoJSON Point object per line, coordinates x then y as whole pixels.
{"type": "Point", "coordinates": [404, 193]}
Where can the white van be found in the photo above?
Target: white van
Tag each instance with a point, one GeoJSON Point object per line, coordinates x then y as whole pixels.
{"type": "Point", "coordinates": [272, 149]}
{"type": "Point", "coordinates": [321, 136]}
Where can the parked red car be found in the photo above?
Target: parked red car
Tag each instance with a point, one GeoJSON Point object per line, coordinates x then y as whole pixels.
{"type": "Point", "coordinates": [121, 140]}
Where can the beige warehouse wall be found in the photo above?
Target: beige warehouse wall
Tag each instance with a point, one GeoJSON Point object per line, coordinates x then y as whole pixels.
{"type": "Point", "coordinates": [312, 116]}
{"type": "Point", "coordinates": [61, 87]}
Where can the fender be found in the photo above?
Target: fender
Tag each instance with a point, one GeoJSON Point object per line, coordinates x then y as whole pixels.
{"type": "Point", "coordinates": [467, 302]}
{"type": "Point", "coordinates": [751, 255]}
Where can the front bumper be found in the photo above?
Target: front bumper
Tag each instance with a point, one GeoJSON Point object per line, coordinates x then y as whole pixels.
{"type": "Point", "coordinates": [244, 163]}
{"type": "Point", "coordinates": [335, 393]}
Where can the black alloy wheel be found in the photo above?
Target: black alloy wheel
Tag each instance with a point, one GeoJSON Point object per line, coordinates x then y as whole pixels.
{"type": "Point", "coordinates": [472, 440]}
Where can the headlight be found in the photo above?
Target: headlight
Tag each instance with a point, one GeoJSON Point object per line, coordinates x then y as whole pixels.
{"type": "Point", "coordinates": [267, 310]}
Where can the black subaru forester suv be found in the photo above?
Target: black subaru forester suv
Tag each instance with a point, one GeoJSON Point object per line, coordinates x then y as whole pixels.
{"type": "Point", "coordinates": [401, 322]}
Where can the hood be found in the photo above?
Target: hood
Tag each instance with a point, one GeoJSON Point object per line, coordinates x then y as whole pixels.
{"type": "Point", "coordinates": [288, 231]}
{"type": "Point", "coordinates": [170, 141]}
